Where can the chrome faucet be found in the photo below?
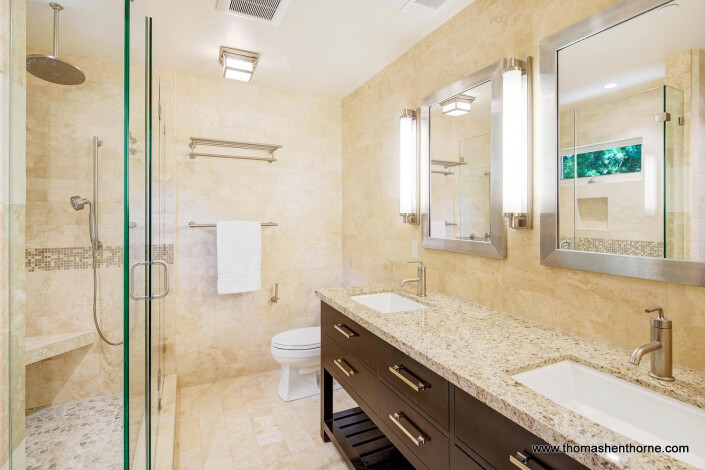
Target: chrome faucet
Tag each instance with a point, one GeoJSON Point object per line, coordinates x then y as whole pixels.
{"type": "Point", "coordinates": [420, 279]}
{"type": "Point", "coordinates": [661, 346]}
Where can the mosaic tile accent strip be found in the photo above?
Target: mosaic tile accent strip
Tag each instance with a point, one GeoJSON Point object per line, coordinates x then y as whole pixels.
{"type": "Point", "coordinates": [618, 247]}
{"type": "Point", "coordinates": [80, 257]}
{"type": "Point", "coordinates": [78, 434]}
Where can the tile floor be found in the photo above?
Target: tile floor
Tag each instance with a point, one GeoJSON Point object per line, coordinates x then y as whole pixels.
{"type": "Point", "coordinates": [241, 423]}
{"type": "Point", "coordinates": [76, 435]}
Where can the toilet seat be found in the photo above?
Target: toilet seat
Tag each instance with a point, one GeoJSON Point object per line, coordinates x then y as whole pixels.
{"type": "Point", "coordinates": [299, 339]}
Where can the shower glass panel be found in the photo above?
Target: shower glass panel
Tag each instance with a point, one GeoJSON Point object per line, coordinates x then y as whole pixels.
{"type": "Point", "coordinates": [677, 205]}
{"type": "Point", "coordinates": [613, 175]}
{"type": "Point", "coordinates": [147, 252]}
{"type": "Point", "coordinates": [474, 188]}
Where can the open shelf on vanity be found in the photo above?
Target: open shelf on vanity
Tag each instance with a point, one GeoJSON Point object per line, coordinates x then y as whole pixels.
{"type": "Point", "coordinates": [362, 443]}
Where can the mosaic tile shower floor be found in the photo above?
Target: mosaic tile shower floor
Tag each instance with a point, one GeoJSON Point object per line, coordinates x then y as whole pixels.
{"type": "Point", "coordinates": [81, 434]}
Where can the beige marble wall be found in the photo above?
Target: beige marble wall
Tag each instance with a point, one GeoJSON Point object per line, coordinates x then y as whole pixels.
{"type": "Point", "coordinates": [222, 336]}
{"type": "Point", "coordinates": [61, 123]}
{"type": "Point", "coordinates": [376, 243]}
{"type": "Point", "coordinates": [12, 214]}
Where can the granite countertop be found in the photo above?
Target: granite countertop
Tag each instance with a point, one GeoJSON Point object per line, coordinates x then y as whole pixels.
{"type": "Point", "coordinates": [479, 349]}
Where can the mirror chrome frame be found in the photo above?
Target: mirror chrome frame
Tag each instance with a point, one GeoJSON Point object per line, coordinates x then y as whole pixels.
{"type": "Point", "coordinates": [496, 247]}
{"type": "Point", "coordinates": [659, 269]}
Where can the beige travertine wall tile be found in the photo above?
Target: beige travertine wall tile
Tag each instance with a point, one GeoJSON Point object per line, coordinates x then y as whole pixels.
{"type": "Point", "coordinates": [223, 336]}
{"type": "Point", "coordinates": [376, 243]}
{"type": "Point", "coordinates": [61, 123]}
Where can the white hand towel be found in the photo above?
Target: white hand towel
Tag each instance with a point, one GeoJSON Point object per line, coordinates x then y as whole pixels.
{"type": "Point", "coordinates": [438, 229]}
{"type": "Point", "coordinates": [239, 256]}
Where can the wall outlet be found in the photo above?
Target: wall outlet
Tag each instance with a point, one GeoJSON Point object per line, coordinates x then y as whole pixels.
{"type": "Point", "coordinates": [414, 250]}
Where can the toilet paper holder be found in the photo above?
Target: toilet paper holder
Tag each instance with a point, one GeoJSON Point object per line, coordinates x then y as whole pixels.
{"type": "Point", "coordinates": [275, 297]}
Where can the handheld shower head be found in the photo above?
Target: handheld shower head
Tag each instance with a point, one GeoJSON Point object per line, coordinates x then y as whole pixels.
{"type": "Point", "coordinates": [77, 202]}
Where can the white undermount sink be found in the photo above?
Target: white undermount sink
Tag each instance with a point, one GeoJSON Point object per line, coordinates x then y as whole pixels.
{"type": "Point", "coordinates": [633, 411]}
{"type": "Point", "coordinates": [387, 302]}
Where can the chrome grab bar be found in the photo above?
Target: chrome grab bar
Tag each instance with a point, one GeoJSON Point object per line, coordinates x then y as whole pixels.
{"type": "Point", "coordinates": [415, 435]}
{"type": "Point", "coordinates": [418, 386]}
{"type": "Point", "coordinates": [132, 280]}
{"type": "Point", "coordinates": [96, 144]}
{"type": "Point", "coordinates": [349, 334]}
{"type": "Point", "coordinates": [340, 362]}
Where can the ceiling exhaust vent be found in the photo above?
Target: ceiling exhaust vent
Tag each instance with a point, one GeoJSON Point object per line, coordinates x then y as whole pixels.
{"type": "Point", "coordinates": [422, 8]}
{"type": "Point", "coordinates": [266, 11]}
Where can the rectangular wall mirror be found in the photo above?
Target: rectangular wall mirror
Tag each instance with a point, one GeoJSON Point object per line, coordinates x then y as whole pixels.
{"type": "Point", "coordinates": [461, 160]}
{"type": "Point", "coordinates": [623, 96]}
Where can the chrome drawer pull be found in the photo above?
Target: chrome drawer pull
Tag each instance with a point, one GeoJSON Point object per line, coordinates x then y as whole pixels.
{"type": "Point", "coordinates": [350, 334]}
{"type": "Point", "coordinates": [340, 362]}
{"type": "Point", "coordinates": [415, 435]}
{"type": "Point", "coordinates": [522, 461]}
{"type": "Point", "coordinates": [418, 386]}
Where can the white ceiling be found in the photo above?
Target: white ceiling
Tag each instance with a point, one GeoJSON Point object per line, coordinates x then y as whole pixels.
{"type": "Point", "coordinates": [632, 54]}
{"type": "Point", "coordinates": [327, 47]}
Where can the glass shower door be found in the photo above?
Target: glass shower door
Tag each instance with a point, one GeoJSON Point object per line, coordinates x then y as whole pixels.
{"type": "Point", "coordinates": [146, 272]}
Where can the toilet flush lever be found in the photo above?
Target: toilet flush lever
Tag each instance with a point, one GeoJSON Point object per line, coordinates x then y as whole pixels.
{"type": "Point", "coordinates": [275, 297]}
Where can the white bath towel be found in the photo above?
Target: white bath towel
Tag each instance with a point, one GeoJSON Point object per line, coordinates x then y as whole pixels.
{"type": "Point", "coordinates": [438, 229]}
{"type": "Point", "coordinates": [239, 256]}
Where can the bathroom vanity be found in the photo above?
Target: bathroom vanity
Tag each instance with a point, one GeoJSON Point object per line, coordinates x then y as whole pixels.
{"type": "Point", "coordinates": [402, 403]}
{"type": "Point", "coordinates": [434, 388]}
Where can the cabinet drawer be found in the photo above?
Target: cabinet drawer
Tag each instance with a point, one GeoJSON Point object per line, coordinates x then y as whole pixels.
{"type": "Point", "coordinates": [349, 334]}
{"type": "Point", "coordinates": [425, 388]}
{"type": "Point", "coordinates": [350, 371]}
{"type": "Point", "coordinates": [462, 461]}
{"type": "Point", "coordinates": [496, 437]}
{"type": "Point", "coordinates": [421, 437]}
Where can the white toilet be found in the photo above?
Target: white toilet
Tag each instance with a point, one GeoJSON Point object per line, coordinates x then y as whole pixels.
{"type": "Point", "coordinates": [299, 353]}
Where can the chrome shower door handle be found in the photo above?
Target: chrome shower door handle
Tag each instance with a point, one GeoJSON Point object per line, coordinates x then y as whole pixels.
{"type": "Point", "coordinates": [166, 279]}
{"type": "Point", "coordinates": [132, 281]}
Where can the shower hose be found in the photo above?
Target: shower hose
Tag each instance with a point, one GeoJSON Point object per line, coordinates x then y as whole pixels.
{"type": "Point", "coordinates": [95, 299]}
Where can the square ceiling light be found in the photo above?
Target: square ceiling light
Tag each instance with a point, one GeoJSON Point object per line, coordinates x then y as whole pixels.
{"type": "Point", "coordinates": [238, 64]}
{"type": "Point", "coordinates": [458, 105]}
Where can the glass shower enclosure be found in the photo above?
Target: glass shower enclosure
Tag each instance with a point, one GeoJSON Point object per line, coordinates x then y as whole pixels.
{"type": "Point", "coordinates": [148, 239]}
{"type": "Point", "coordinates": [622, 168]}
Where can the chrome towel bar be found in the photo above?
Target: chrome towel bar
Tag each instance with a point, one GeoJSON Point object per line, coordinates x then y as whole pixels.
{"type": "Point", "coordinates": [197, 225]}
{"type": "Point", "coordinates": [269, 148]}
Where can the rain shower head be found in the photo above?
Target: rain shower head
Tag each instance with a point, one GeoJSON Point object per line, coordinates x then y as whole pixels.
{"type": "Point", "coordinates": [50, 67]}
{"type": "Point", "coordinates": [77, 202]}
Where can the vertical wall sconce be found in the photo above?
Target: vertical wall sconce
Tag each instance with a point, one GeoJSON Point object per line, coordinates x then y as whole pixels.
{"type": "Point", "coordinates": [516, 142]}
{"type": "Point", "coordinates": [408, 168]}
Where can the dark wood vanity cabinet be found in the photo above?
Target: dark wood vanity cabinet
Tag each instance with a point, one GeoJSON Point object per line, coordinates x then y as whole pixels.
{"type": "Point", "coordinates": [410, 417]}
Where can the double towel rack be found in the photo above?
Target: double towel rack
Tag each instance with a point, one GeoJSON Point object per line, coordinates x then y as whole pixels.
{"type": "Point", "coordinates": [268, 148]}
{"type": "Point", "coordinates": [197, 225]}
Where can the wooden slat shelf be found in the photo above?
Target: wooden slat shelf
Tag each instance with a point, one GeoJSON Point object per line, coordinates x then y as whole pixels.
{"type": "Point", "coordinates": [362, 443]}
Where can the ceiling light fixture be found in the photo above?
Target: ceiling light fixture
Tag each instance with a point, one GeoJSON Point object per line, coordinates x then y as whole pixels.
{"type": "Point", "coordinates": [458, 105]}
{"type": "Point", "coordinates": [610, 85]}
{"type": "Point", "coordinates": [238, 64]}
